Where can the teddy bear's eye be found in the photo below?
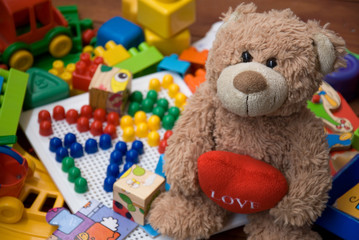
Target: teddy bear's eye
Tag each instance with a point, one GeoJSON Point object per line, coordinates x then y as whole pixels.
{"type": "Point", "coordinates": [246, 57]}
{"type": "Point", "coordinates": [272, 62]}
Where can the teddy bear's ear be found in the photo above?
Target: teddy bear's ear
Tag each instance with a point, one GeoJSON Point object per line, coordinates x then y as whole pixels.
{"type": "Point", "coordinates": [325, 51]}
{"type": "Point", "coordinates": [243, 8]}
{"type": "Point", "coordinates": [330, 48]}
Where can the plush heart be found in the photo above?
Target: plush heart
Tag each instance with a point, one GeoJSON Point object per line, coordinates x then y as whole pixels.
{"type": "Point", "coordinates": [240, 183]}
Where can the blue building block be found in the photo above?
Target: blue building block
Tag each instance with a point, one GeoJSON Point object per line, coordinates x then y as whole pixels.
{"type": "Point", "coordinates": [334, 220]}
{"type": "Point", "coordinates": [159, 171]}
{"type": "Point", "coordinates": [121, 31]}
{"type": "Point", "coordinates": [172, 63]}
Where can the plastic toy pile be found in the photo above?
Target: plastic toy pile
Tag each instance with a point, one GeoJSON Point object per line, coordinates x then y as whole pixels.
{"type": "Point", "coordinates": [99, 106]}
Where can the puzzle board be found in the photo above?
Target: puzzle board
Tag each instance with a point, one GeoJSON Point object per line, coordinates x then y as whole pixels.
{"type": "Point", "coordinates": [93, 167]}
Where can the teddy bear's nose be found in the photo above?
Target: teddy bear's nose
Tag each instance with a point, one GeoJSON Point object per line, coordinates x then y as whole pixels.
{"type": "Point", "coordinates": [250, 82]}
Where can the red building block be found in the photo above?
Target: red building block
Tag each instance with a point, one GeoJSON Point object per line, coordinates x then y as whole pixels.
{"type": "Point", "coordinates": [197, 59]}
{"type": "Point", "coordinates": [194, 81]}
{"type": "Point", "coordinates": [85, 69]}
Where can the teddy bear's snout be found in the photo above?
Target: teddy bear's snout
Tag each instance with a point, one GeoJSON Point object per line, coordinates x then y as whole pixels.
{"type": "Point", "coordinates": [250, 82]}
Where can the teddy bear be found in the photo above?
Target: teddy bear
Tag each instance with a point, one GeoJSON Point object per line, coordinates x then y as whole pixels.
{"type": "Point", "coordinates": [260, 72]}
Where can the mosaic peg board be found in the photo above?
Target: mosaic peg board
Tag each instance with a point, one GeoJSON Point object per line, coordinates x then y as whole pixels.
{"type": "Point", "coordinates": [93, 166]}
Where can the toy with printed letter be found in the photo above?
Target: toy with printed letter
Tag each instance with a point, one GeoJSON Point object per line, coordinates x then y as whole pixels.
{"type": "Point", "coordinates": [110, 88]}
{"type": "Point", "coordinates": [92, 221]}
{"type": "Point", "coordinates": [247, 111]}
{"type": "Point", "coordinates": [334, 219]}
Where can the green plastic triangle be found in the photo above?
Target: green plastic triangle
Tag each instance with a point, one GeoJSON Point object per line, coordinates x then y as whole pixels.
{"type": "Point", "coordinates": [43, 88]}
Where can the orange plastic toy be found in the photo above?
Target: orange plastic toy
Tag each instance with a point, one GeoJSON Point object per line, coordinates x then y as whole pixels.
{"type": "Point", "coordinates": [197, 59]}
{"type": "Point", "coordinates": [194, 81]}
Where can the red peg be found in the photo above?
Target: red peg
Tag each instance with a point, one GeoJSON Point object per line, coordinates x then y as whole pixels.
{"type": "Point", "coordinates": [83, 124]}
{"type": "Point", "coordinates": [162, 146]}
{"type": "Point", "coordinates": [100, 114]}
{"type": "Point", "coordinates": [86, 111]}
{"type": "Point", "coordinates": [72, 116]}
{"type": "Point", "coordinates": [113, 118]}
{"type": "Point", "coordinates": [167, 134]}
{"type": "Point", "coordinates": [58, 113]}
{"type": "Point", "coordinates": [96, 128]}
{"type": "Point", "coordinates": [111, 130]}
{"type": "Point", "coordinates": [43, 115]}
{"type": "Point", "coordinates": [45, 128]}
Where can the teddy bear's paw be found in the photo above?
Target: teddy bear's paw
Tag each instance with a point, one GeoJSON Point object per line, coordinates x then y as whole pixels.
{"type": "Point", "coordinates": [294, 213]}
{"type": "Point", "coordinates": [181, 218]}
{"type": "Point", "coordinates": [261, 226]}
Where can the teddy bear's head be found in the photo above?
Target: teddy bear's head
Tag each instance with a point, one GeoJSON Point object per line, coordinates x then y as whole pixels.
{"type": "Point", "coordinates": [271, 63]}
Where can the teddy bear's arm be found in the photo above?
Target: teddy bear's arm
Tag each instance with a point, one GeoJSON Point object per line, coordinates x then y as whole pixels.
{"type": "Point", "coordinates": [308, 177]}
{"type": "Point", "coordinates": [192, 136]}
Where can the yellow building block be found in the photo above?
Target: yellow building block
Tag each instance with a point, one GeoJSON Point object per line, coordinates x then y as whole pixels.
{"type": "Point", "coordinates": [349, 202]}
{"type": "Point", "coordinates": [113, 54]}
{"type": "Point", "coordinates": [166, 17]}
{"type": "Point", "coordinates": [167, 46]}
{"type": "Point", "coordinates": [129, 10]}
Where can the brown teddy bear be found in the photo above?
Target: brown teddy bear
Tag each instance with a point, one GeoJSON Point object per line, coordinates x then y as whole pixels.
{"type": "Point", "coordinates": [261, 70]}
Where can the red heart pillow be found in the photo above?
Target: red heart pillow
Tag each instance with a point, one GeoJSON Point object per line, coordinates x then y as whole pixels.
{"type": "Point", "coordinates": [240, 183]}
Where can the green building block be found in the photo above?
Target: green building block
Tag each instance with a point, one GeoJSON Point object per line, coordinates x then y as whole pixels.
{"type": "Point", "coordinates": [143, 60]}
{"type": "Point", "coordinates": [44, 88]}
{"type": "Point", "coordinates": [12, 95]}
{"type": "Point", "coordinates": [355, 140]}
{"type": "Point", "coordinates": [75, 24]}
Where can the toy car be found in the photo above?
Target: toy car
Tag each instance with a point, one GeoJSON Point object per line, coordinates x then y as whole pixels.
{"type": "Point", "coordinates": [32, 27]}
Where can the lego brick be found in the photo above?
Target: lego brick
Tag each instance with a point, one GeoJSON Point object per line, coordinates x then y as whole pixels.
{"type": "Point", "coordinates": [136, 189]}
{"type": "Point", "coordinates": [172, 63]}
{"type": "Point", "coordinates": [11, 100]}
{"type": "Point", "coordinates": [193, 81]}
{"type": "Point", "coordinates": [85, 69]}
{"type": "Point", "coordinates": [143, 60]}
{"type": "Point", "coordinates": [113, 54]}
{"type": "Point", "coordinates": [121, 31]}
{"type": "Point", "coordinates": [110, 88]}
{"type": "Point", "coordinates": [166, 18]}
{"type": "Point", "coordinates": [44, 88]}
{"type": "Point", "coordinates": [196, 58]}
{"type": "Point", "coordinates": [167, 46]}
{"type": "Point", "coordinates": [129, 10]}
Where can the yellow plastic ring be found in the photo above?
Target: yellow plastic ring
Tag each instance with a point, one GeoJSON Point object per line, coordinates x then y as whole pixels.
{"type": "Point", "coordinates": [21, 60]}
{"type": "Point", "coordinates": [60, 46]}
{"type": "Point", "coordinates": [11, 209]}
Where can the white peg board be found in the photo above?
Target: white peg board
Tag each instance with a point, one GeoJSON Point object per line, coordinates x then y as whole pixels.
{"type": "Point", "coordinates": [93, 166]}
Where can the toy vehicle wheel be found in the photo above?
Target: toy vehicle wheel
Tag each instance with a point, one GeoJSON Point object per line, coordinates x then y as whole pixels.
{"type": "Point", "coordinates": [11, 209]}
{"type": "Point", "coordinates": [21, 60]}
{"type": "Point", "coordinates": [60, 46]}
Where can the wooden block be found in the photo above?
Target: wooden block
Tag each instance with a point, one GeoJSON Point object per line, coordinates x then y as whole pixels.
{"type": "Point", "coordinates": [135, 191]}
{"type": "Point", "coordinates": [110, 88]}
